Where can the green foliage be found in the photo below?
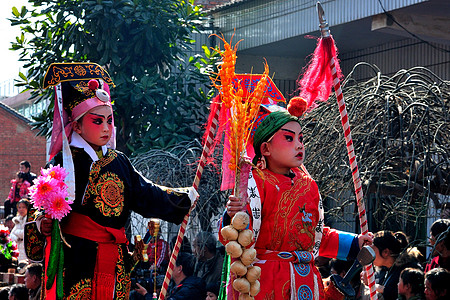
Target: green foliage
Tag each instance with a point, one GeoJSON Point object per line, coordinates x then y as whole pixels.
{"type": "Point", "coordinates": [143, 43]}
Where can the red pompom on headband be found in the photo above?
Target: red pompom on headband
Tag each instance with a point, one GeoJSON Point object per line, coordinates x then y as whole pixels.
{"type": "Point", "coordinates": [297, 106]}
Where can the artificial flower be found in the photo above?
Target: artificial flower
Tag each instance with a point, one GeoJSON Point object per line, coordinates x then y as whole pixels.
{"type": "Point", "coordinates": [58, 207]}
{"type": "Point", "coordinates": [55, 172]}
{"type": "Point", "coordinates": [49, 192]}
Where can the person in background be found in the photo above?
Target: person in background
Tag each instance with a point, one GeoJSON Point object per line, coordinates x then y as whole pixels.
{"type": "Point", "coordinates": [162, 252]}
{"type": "Point", "coordinates": [18, 291]}
{"type": "Point", "coordinates": [209, 260]}
{"type": "Point", "coordinates": [184, 247]}
{"type": "Point", "coordinates": [392, 253]}
{"type": "Point", "coordinates": [19, 190]}
{"type": "Point", "coordinates": [146, 295]}
{"type": "Point", "coordinates": [437, 283]}
{"type": "Point", "coordinates": [17, 233]}
{"type": "Point", "coordinates": [186, 286]}
{"type": "Point", "coordinates": [411, 285]}
{"type": "Point", "coordinates": [212, 291]}
{"type": "Point", "coordinates": [9, 222]}
{"type": "Point", "coordinates": [4, 293]}
{"type": "Point", "coordinates": [339, 267]}
{"type": "Point", "coordinates": [25, 167]}
{"type": "Point", "coordinates": [438, 236]}
{"type": "Point", "coordinates": [33, 276]}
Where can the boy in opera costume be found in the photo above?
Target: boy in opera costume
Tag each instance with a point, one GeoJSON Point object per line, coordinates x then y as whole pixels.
{"type": "Point", "coordinates": [286, 213]}
{"type": "Point", "coordinates": [106, 187]}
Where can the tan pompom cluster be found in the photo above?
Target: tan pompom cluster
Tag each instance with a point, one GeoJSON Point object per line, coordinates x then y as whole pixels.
{"type": "Point", "coordinates": [238, 237]}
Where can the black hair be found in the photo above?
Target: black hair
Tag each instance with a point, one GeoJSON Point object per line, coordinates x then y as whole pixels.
{"type": "Point", "coordinates": [187, 261]}
{"type": "Point", "coordinates": [439, 226]}
{"type": "Point", "coordinates": [206, 239]}
{"type": "Point", "coordinates": [9, 217]}
{"type": "Point", "coordinates": [413, 277]}
{"type": "Point", "coordinates": [438, 279]}
{"type": "Point", "coordinates": [19, 291]}
{"type": "Point", "coordinates": [340, 265]}
{"type": "Point", "coordinates": [213, 287]}
{"type": "Point", "coordinates": [21, 175]}
{"type": "Point", "coordinates": [446, 239]}
{"type": "Point", "coordinates": [4, 293]}
{"type": "Point", "coordinates": [443, 237]}
{"type": "Point", "coordinates": [395, 242]}
{"type": "Point", "coordinates": [26, 164]}
{"type": "Point", "coordinates": [24, 201]}
{"type": "Point", "coordinates": [185, 244]}
{"type": "Point", "coordinates": [35, 269]}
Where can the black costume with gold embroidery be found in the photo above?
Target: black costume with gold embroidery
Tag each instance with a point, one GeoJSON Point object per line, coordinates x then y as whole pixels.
{"type": "Point", "coordinates": [106, 192]}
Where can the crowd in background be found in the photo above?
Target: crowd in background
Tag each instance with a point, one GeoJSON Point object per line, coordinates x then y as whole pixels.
{"type": "Point", "coordinates": [402, 271]}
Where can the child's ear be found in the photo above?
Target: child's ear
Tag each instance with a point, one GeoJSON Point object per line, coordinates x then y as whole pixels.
{"type": "Point", "coordinates": [76, 127]}
{"type": "Point", "coordinates": [265, 149]}
{"type": "Point", "coordinates": [385, 253]}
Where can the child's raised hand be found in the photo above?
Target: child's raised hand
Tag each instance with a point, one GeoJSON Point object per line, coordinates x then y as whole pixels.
{"type": "Point", "coordinates": [235, 205]}
{"type": "Point", "coordinates": [365, 239]}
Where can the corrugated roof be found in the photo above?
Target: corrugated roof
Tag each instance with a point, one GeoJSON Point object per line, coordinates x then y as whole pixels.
{"type": "Point", "coordinates": [261, 22]}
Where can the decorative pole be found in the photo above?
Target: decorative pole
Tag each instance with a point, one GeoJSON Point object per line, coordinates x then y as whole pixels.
{"type": "Point", "coordinates": [325, 32]}
{"type": "Point", "coordinates": [215, 109]}
{"type": "Point", "coordinates": [155, 224]}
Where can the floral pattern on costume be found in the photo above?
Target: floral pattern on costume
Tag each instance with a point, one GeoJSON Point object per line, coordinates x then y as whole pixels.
{"type": "Point", "coordinates": [110, 199]}
{"type": "Point", "coordinates": [81, 290]}
{"type": "Point", "coordinates": [123, 282]}
{"type": "Point", "coordinates": [105, 189]}
{"type": "Point", "coordinates": [34, 243]}
{"type": "Point", "coordinates": [286, 206]}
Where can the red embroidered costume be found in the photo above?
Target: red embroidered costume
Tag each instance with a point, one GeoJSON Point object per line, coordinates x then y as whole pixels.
{"type": "Point", "coordinates": [97, 265]}
{"type": "Point", "coordinates": [285, 244]}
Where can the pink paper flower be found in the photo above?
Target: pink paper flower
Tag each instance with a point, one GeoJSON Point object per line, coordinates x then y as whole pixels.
{"type": "Point", "coordinates": [55, 172]}
{"type": "Point", "coordinates": [43, 189]}
{"type": "Point", "coordinates": [50, 192]}
{"type": "Point", "coordinates": [58, 207]}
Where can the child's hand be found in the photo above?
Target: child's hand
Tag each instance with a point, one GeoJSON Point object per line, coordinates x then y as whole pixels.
{"type": "Point", "coordinates": [379, 288]}
{"type": "Point", "coordinates": [46, 226]}
{"type": "Point", "coordinates": [235, 205]}
{"type": "Point", "coordinates": [363, 277]}
{"type": "Point", "coordinates": [365, 239]}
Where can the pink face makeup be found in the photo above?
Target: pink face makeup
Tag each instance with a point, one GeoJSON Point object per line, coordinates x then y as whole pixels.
{"type": "Point", "coordinates": [96, 126]}
{"type": "Point", "coordinates": [286, 149]}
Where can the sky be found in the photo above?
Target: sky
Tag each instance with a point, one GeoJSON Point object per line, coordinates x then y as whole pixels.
{"type": "Point", "coordinates": [10, 66]}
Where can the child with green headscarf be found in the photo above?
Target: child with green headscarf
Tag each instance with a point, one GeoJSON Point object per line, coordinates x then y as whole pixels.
{"type": "Point", "coordinates": [286, 213]}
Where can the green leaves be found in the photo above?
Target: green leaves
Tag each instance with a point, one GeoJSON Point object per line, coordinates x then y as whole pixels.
{"type": "Point", "coordinates": [158, 100]}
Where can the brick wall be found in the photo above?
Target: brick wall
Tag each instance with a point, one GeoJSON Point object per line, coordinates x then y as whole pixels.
{"type": "Point", "coordinates": [17, 142]}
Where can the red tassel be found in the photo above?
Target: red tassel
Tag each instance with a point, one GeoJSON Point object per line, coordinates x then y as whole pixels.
{"type": "Point", "coordinates": [316, 82]}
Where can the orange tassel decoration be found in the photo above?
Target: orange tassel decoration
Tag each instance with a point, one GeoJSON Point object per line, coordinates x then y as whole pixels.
{"type": "Point", "coordinates": [243, 108]}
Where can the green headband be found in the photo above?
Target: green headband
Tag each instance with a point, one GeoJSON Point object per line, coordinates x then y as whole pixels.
{"type": "Point", "coordinates": [267, 128]}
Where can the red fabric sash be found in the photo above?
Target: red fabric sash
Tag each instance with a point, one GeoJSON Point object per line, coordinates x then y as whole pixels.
{"type": "Point", "coordinates": [108, 240]}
